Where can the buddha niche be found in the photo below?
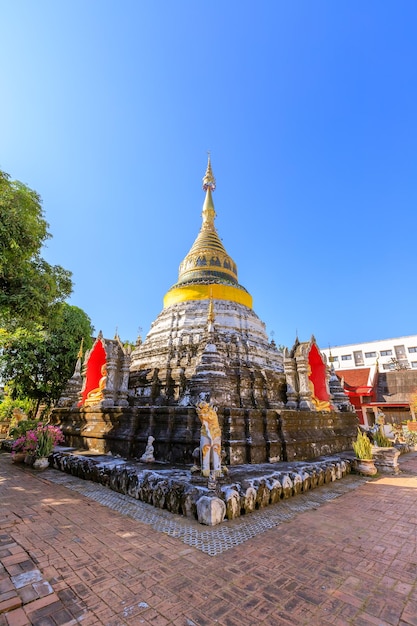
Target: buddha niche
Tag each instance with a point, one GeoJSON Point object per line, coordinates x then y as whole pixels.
{"type": "Point", "coordinates": [96, 395]}
{"type": "Point", "coordinates": [319, 405]}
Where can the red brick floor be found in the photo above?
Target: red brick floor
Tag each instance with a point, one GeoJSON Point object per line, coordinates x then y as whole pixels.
{"type": "Point", "coordinates": [66, 560]}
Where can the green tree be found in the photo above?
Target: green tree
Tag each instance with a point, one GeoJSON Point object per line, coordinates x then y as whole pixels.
{"type": "Point", "coordinates": [30, 288]}
{"type": "Point", "coordinates": [36, 363]}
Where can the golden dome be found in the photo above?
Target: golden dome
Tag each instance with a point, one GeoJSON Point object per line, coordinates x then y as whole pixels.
{"type": "Point", "coordinates": [207, 263]}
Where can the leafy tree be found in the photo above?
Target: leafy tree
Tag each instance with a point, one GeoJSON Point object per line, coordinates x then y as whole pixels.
{"type": "Point", "coordinates": [36, 363]}
{"type": "Point", "coordinates": [7, 406]}
{"type": "Point", "coordinates": [30, 288]}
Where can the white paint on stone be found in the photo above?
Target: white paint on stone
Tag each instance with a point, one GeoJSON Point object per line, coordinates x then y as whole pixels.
{"type": "Point", "coordinates": [210, 510]}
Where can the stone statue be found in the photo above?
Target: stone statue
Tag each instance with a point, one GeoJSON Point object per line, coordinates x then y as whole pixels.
{"type": "Point", "coordinates": [210, 440]}
{"type": "Point", "coordinates": [147, 456]}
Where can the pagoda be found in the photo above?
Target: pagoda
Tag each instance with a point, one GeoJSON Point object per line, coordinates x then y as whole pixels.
{"type": "Point", "coordinates": [207, 346]}
{"type": "Point", "coordinates": [207, 343]}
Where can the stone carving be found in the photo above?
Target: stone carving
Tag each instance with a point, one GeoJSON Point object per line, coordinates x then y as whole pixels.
{"type": "Point", "coordinates": [310, 382]}
{"type": "Point", "coordinates": [210, 511]}
{"type": "Point", "coordinates": [210, 440]}
{"type": "Point", "coordinates": [148, 455]}
{"type": "Point", "coordinates": [105, 374]}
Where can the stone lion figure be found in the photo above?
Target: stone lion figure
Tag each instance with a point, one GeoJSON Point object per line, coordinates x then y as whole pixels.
{"type": "Point", "coordinates": [210, 439]}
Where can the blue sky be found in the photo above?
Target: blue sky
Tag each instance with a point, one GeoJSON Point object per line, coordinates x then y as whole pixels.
{"type": "Point", "coordinates": [309, 109]}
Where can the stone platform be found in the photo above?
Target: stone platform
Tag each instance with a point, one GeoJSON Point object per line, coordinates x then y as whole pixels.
{"type": "Point", "coordinates": [241, 491]}
{"type": "Point", "coordinates": [249, 436]}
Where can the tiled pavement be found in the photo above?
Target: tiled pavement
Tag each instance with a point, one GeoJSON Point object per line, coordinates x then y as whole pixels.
{"type": "Point", "coordinates": [73, 554]}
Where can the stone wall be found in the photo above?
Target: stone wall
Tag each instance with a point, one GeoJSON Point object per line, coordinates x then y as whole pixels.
{"type": "Point", "coordinates": [248, 435]}
{"type": "Point", "coordinates": [308, 435]}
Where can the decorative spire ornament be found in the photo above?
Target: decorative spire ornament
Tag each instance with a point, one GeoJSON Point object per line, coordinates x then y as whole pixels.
{"type": "Point", "coordinates": [209, 182]}
{"type": "Point", "coordinates": [80, 351]}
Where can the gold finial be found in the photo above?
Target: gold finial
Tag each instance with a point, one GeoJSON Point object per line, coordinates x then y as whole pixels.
{"type": "Point", "coordinates": [209, 182]}
{"type": "Point", "coordinates": [80, 351]}
{"type": "Point", "coordinates": [209, 185]}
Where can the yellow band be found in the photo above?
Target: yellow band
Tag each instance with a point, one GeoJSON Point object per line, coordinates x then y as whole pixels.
{"type": "Point", "coordinates": [205, 292]}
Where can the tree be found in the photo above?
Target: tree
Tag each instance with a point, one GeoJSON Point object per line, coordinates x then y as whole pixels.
{"type": "Point", "coordinates": [30, 288]}
{"type": "Point", "coordinates": [36, 363]}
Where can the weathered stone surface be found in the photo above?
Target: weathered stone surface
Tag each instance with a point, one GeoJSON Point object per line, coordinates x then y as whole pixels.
{"type": "Point", "coordinates": [263, 493]}
{"type": "Point", "coordinates": [248, 499]}
{"type": "Point", "coordinates": [287, 487]}
{"type": "Point", "coordinates": [210, 510]}
{"type": "Point", "coordinates": [177, 491]}
{"type": "Point", "coordinates": [231, 497]}
{"type": "Point", "coordinates": [248, 435]}
{"type": "Point", "coordinates": [275, 488]}
{"type": "Point", "coordinates": [386, 460]}
{"type": "Point", "coordinates": [176, 358]}
{"type": "Point", "coordinates": [296, 482]}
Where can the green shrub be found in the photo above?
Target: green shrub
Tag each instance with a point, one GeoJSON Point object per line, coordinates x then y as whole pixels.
{"type": "Point", "coordinates": [381, 440]}
{"type": "Point", "coordinates": [362, 446]}
{"type": "Point", "coordinates": [22, 427]}
{"type": "Point", "coordinates": [8, 405]}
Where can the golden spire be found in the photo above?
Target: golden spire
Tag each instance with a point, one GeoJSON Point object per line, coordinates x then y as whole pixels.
{"type": "Point", "coordinates": [80, 351]}
{"type": "Point", "coordinates": [208, 258]}
{"type": "Point", "coordinates": [209, 185]}
{"type": "Point", "coordinates": [209, 182]}
{"type": "Point", "coordinates": [207, 268]}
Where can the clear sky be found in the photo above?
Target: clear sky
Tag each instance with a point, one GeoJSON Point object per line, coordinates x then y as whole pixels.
{"type": "Point", "coordinates": [309, 109]}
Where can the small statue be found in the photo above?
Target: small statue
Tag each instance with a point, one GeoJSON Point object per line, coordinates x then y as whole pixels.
{"type": "Point", "coordinates": [19, 415]}
{"type": "Point", "coordinates": [210, 440]}
{"type": "Point", "coordinates": [147, 456]}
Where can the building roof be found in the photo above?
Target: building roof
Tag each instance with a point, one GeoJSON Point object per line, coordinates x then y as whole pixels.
{"type": "Point", "coordinates": [356, 381]}
{"type": "Point", "coordinates": [396, 386]}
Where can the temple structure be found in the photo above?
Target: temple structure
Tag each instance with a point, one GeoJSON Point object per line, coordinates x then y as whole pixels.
{"type": "Point", "coordinates": [207, 345]}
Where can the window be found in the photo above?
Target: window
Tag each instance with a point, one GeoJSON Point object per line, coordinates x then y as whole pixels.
{"type": "Point", "coordinates": [370, 355]}
{"type": "Point", "coordinates": [333, 359]}
{"type": "Point", "coordinates": [414, 365]}
{"type": "Point", "coordinates": [388, 366]}
{"type": "Point", "coordinates": [386, 352]}
{"type": "Point", "coordinates": [346, 357]}
{"type": "Point", "coordinates": [413, 349]}
{"type": "Point", "coordinates": [358, 357]}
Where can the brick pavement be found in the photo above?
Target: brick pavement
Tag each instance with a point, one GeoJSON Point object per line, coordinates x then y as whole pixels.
{"type": "Point", "coordinates": [67, 559]}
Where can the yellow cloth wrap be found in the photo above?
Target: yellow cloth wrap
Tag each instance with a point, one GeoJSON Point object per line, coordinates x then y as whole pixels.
{"type": "Point", "coordinates": [205, 292]}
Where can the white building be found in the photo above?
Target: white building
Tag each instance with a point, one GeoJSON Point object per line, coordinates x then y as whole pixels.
{"type": "Point", "coordinates": [391, 354]}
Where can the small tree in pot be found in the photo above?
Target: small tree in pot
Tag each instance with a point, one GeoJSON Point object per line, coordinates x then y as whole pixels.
{"type": "Point", "coordinates": [363, 452]}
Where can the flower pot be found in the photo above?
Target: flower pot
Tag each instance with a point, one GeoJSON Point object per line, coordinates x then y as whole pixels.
{"type": "Point", "coordinates": [386, 459]}
{"type": "Point", "coordinates": [366, 467]}
{"type": "Point", "coordinates": [18, 457]}
{"type": "Point", "coordinates": [41, 463]}
{"type": "Point", "coordinates": [30, 458]}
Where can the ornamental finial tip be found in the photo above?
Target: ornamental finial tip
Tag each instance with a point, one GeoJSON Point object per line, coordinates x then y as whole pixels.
{"type": "Point", "coordinates": [209, 182]}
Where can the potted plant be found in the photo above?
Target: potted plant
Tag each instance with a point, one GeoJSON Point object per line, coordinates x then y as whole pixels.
{"type": "Point", "coordinates": [363, 452]}
{"type": "Point", "coordinates": [47, 437]}
{"type": "Point", "coordinates": [18, 450]}
{"type": "Point", "coordinates": [31, 442]}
